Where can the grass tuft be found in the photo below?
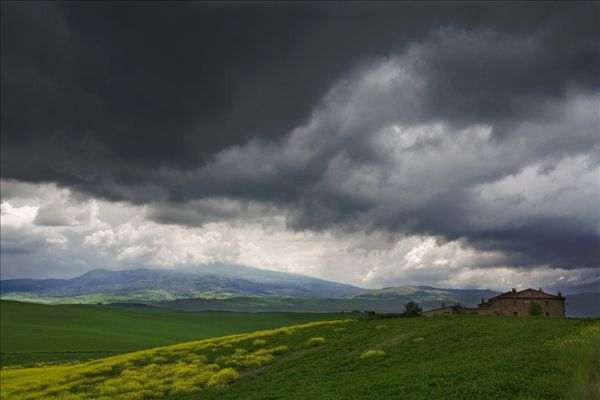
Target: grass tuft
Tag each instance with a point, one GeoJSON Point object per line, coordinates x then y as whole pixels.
{"type": "Point", "coordinates": [316, 341]}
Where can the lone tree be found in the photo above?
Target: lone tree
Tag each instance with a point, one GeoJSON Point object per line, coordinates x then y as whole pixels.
{"type": "Point", "coordinates": [535, 308]}
{"type": "Point", "coordinates": [412, 309]}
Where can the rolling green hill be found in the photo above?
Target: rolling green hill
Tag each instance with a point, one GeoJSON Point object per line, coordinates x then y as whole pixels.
{"type": "Point", "coordinates": [457, 358]}
{"type": "Point", "coordinates": [33, 332]}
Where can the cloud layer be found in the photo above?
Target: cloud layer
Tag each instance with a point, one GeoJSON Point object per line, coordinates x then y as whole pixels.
{"type": "Point", "coordinates": [376, 155]}
{"type": "Point", "coordinates": [368, 144]}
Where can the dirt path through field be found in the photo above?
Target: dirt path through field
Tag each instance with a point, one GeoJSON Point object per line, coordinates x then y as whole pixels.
{"type": "Point", "coordinates": [392, 341]}
{"type": "Point", "coordinates": [283, 359]}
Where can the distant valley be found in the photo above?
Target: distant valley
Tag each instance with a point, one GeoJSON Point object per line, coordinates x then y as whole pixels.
{"type": "Point", "coordinates": [222, 287]}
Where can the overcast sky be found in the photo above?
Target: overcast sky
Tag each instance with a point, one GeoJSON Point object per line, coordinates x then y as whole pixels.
{"type": "Point", "coordinates": [443, 144]}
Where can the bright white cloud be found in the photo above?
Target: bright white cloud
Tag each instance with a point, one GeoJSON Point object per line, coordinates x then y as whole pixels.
{"type": "Point", "coordinates": [131, 240]}
{"type": "Point", "coordinates": [565, 189]}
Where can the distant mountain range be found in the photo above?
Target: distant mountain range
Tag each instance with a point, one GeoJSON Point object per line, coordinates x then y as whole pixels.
{"type": "Point", "coordinates": [583, 305]}
{"type": "Point", "coordinates": [210, 281]}
{"type": "Point", "coordinates": [239, 288]}
{"type": "Point", "coordinates": [217, 282]}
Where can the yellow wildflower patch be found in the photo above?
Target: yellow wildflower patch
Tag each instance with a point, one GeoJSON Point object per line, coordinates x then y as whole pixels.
{"type": "Point", "coordinates": [372, 353]}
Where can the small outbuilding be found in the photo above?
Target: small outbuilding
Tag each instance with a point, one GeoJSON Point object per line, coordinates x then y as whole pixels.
{"type": "Point", "coordinates": [455, 309]}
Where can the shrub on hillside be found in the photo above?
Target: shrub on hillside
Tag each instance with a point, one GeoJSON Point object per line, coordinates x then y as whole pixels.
{"type": "Point", "coordinates": [316, 341]}
{"type": "Point", "coordinates": [259, 342]}
{"type": "Point", "coordinates": [412, 309]}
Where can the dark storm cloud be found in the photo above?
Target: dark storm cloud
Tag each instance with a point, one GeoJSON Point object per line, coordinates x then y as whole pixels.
{"type": "Point", "coordinates": [100, 89]}
{"type": "Point", "coordinates": [172, 104]}
{"type": "Point", "coordinates": [405, 166]}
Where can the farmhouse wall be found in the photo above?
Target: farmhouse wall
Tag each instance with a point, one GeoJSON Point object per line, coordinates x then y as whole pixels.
{"type": "Point", "coordinates": [549, 307]}
{"type": "Point", "coordinates": [517, 303]}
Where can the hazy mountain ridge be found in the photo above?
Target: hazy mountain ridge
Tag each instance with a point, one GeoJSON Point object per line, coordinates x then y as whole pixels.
{"type": "Point", "coordinates": [428, 294]}
{"type": "Point", "coordinates": [583, 305]}
{"type": "Point", "coordinates": [205, 281]}
{"type": "Point", "coordinates": [226, 281]}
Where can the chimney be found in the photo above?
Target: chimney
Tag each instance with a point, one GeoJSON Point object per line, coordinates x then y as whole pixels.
{"type": "Point", "coordinates": [540, 289]}
{"type": "Point", "coordinates": [559, 294]}
{"type": "Point", "coordinates": [443, 305]}
{"type": "Point", "coordinates": [482, 300]}
{"type": "Point", "coordinates": [514, 290]}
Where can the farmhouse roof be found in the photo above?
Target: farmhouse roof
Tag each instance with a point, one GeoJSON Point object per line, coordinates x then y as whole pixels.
{"type": "Point", "coordinates": [527, 294]}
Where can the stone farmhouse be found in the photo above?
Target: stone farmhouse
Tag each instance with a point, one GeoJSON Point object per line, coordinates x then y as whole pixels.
{"type": "Point", "coordinates": [518, 303]}
{"type": "Point", "coordinates": [509, 303]}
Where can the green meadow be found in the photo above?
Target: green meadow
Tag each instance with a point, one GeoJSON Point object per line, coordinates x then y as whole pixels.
{"type": "Point", "coordinates": [32, 333]}
{"type": "Point", "coordinates": [468, 357]}
{"type": "Point", "coordinates": [458, 358]}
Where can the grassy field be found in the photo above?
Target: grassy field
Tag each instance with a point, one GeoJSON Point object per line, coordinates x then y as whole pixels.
{"type": "Point", "coordinates": [31, 333]}
{"type": "Point", "coordinates": [470, 357]}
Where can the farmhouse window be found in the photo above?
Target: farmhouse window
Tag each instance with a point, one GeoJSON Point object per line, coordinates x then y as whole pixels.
{"type": "Point", "coordinates": [514, 302]}
{"type": "Point", "coordinates": [526, 302]}
{"type": "Point", "coordinates": [547, 303]}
